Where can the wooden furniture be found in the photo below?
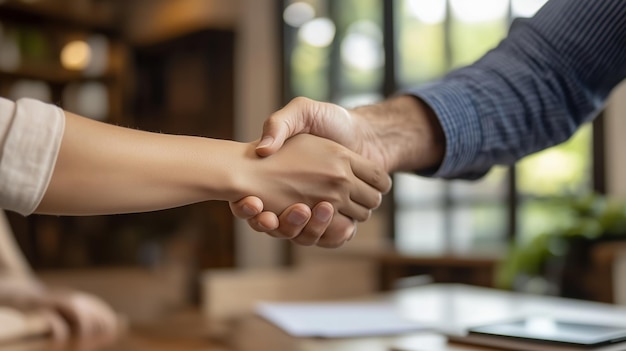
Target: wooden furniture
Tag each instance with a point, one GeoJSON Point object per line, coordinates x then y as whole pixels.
{"type": "Point", "coordinates": [397, 269]}
{"type": "Point", "coordinates": [462, 268]}
{"type": "Point", "coordinates": [447, 307]}
{"type": "Point", "coordinates": [186, 330]}
{"type": "Point", "coordinates": [600, 279]}
{"type": "Point", "coordinates": [596, 276]}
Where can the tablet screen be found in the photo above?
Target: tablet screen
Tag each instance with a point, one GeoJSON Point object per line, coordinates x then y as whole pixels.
{"type": "Point", "coordinates": [552, 330]}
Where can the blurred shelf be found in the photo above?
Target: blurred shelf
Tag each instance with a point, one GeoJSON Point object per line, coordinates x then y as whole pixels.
{"type": "Point", "coordinates": [53, 75]}
{"type": "Point", "coordinates": [97, 16]}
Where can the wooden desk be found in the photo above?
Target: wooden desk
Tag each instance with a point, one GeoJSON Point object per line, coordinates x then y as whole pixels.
{"type": "Point", "coordinates": [187, 330]}
{"type": "Point", "coordinates": [449, 308]}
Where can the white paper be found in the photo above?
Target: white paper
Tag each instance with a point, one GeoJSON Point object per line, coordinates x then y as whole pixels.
{"type": "Point", "coordinates": [336, 320]}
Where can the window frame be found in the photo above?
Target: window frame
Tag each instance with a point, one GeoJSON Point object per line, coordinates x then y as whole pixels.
{"type": "Point", "coordinates": [390, 85]}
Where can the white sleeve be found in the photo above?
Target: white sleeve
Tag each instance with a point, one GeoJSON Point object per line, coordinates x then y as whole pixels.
{"type": "Point", "coordinates": [30, 138]}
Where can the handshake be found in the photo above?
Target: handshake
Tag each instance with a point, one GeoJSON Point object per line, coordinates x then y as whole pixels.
{"type": "Point", "coordinates": [338, 177]}
{"type": "Point", "coordinates": [317, 169]}
{"type": "Point", "coordinates": [313, 190]}
{"type": "Point", "coordinates": [310, 189]}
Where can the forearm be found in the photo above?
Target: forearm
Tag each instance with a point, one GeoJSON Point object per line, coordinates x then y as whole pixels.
{"type": "Point", "coordinates": [103, 168]}
{"type": "Point", "coordinates": [405, 130]}
{"type": "Point", "coordinates": [551, 74]}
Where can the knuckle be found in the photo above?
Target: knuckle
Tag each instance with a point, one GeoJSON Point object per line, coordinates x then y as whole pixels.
{"type": "Point", "coordinates": [380, 179]}
{"type": "Point", "coordinates": [340, 179]}
{"type": "Point", "coordinates": [364, 215]}
{"type": "Point", "coordinates": [300, 100]}
{"type": "Point", "coordinates": [271, 120]}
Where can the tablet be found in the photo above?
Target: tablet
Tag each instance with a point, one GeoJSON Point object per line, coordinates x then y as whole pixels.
{"type": "Point", "coordinates": [550, 330]}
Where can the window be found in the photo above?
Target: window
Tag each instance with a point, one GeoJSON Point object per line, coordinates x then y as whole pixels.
{"type": "Point", "coordinates": [352, 52]}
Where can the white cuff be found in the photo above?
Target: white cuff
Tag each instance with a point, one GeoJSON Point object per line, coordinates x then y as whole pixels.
{"type": "Point", "coordinates": [31, 133]}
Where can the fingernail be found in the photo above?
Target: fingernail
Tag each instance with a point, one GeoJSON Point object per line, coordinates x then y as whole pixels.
{"type": "Point", "coordinates": [323, 214]}
{"type": "Point", "coordinates": [296, 218]}
{"type": "Point", "coordinates": [248, 210]}
{"type": "Point", "coordinates": [265, 142]}
{"type": "Point", "coordinates": [352, 235]}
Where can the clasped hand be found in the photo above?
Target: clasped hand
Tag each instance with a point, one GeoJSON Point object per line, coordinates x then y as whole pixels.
{"type": "Point", "coordinates": [321, 174]}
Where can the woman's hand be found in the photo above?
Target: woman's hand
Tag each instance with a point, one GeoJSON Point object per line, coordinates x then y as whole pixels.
{"type": "Point", "coordinates": [57, 313]}
{"type": "Point", "coordinates": [86, 315]}
{"type": "Point", "coordinates": [318, 173]}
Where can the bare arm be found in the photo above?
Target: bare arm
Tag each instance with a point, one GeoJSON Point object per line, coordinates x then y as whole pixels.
{"type": "Point", "coordinates": [103, 168]}
{"type": "Point", "coordinates": [405, 130]}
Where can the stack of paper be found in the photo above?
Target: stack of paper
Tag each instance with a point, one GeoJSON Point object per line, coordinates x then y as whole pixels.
{"type": "Point", "coordinates": [336, 320]}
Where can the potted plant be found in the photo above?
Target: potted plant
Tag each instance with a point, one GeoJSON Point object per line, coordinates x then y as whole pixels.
{"type": "Point", "coordinates": [553, 262]}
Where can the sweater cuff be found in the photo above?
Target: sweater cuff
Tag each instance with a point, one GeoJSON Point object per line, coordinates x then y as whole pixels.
{"type": "Point", "coordinates": [31, 146]}
{"type": "Point", "coordinates": [461, 126]}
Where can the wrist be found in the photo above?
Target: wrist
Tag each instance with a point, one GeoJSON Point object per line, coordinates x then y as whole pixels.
{"type": "Point", "coordinates": [226, 173]}
{"type": "Point", "coordinates": [431, 138]}
{"type": "Point", "coordinates": [405, 132]}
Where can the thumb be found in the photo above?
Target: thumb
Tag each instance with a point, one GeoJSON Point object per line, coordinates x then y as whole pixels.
{"type": "Point", "coordinates": [247, 207]}
{"type": "Point", "coordinates": [291, 120]}
{"type": "Point", "coordinates": [275, 132]}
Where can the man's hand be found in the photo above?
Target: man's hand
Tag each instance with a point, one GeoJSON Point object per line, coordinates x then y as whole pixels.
{"type": "Point", "coordinates": [399, 134]}
{"type": "Point", "coordinates": [326, 120]}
